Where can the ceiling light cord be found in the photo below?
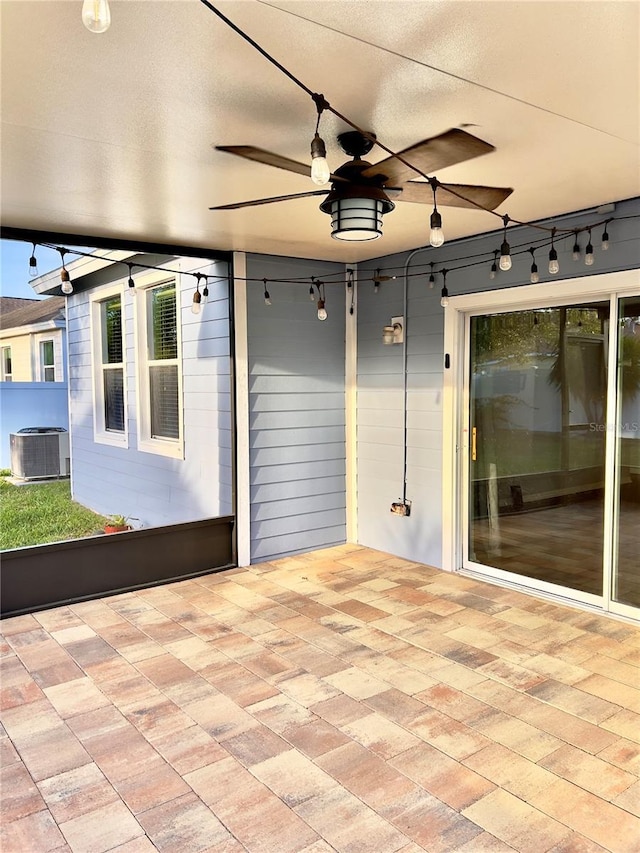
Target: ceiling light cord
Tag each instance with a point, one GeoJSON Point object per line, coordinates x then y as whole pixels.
{"type": "Point", "coordinates": [505, 249]}
{"type": "Point", "coordinates": [320, 171]}
{"type": "Point", "coordinates": [588, 252]}
{"type": "Point", "coordinates": [493, 272]}
{"type": "Point", "coordinates": [534, 276]}
{"type": "Point", "coordinates": [554, 266]}
{"type": "Point", "coordinates": [444, 293]}
{"type": "Point", "coordinates": [436, 234]}
{"type": "Point", "coordinates": [33, 263]}
{"type": "Point", "coordinates": [65, 278]}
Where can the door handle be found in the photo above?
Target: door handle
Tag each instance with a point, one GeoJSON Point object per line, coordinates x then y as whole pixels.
{"type": "Point", "coordinates": [473, 444]}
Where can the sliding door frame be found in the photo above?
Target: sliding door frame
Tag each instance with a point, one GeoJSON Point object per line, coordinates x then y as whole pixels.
{"type": "Point", "coordinates": [607, 286]}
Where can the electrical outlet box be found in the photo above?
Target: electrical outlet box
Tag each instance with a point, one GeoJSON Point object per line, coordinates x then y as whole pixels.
{"type": "Point", "coordinates": [398, 337]}
{"type": "Point", "coordinates": [401, 508]}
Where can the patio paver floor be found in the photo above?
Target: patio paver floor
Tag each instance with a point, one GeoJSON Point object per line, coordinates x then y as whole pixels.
{"type": "Point", "coordinates": [344, 700]}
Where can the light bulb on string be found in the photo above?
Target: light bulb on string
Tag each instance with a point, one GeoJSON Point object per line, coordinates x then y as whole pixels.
{"type": "Point", "coordinates": [494, 266]}
{"type": "Point", "coordinates": [130, 282]}
{"type": "Point", "coordinates": [197, 297]}
{"type": "Point", "coordinates": [33, 264]}
{"type": "Point", "coordinates": [432, 279]}
{"type": "Point", "coordinates": [66, 285]}
{"type": "Point", "coordinates": [554, 266]}
{"type": "Point", "coordinates": [322, 311]}
{"type": "Point", "coordinates": [505, 249]}
{"type": "Point", "coordinates": [605, 237]}
{"type": "Point", "coordinates": [96, 15]}
{"type": "Point", "coordinates": [267, 297]}
{"type": "Point", "coordinates": [575, 252]}
{"type": "Point", "coordinates": [312, 295]}
{"type": "Point", "coordinates": [534, 276]}
{"type": "Point", "coordinates": [444, 293]}
{"type": "Point", "coordinates": [588, 252]}
{"type": "Point", "coordinates": [320, 171]}
{"type": "Point", "coordinates": [205, 290]}
{"type": "Point", "coordinates": [436, 234]}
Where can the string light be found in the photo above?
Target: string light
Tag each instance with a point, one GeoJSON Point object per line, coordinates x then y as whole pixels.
{"type": "Point", "coordinates": [444, 294]}
{"type": "Point", "coordinates": [267, 297]}
{"type": "Point", "coordinates": [33, 264]}
{"type": "Point", "coordinates": [588, 252]}
{"type": "Point", "coordinates": [554, 266]}
{"type": "Point", "coordinates": [96, 15]}
{"type": "Point", "coordinates": [322, 311]}
{"type": "Point", "coordinates": [436, 235]}
{"type": "Point", "coordinates": [534, 277]}
{"type": "Point", "coordinates": [605, 237]}
{"type": "Point", "coordinates": [505, 249]}
{"type": "Point", "coordinates": [66, 287]}
{"type": "Point", "coordinates": [494, 266]}
{"type": "Point", "coordinates": [205, 291]}
{"type": "Point", "coordinates": [197, 296]}
{"type": "Point", "coordinates": [131, 283]}
{"type": "Point", "coordinates": [575, 252]}
{"type": "Point", "coordinates": [320, 171]}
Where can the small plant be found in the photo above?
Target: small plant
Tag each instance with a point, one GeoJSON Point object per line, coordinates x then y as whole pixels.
{"type": "Point", "coordinates": [116, 523]}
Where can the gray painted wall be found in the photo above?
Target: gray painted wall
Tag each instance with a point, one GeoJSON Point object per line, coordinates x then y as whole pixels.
{"type": "Point", "coordinates": [155, 489]}
{"type": "Point", "coordinates": [380, 395]}
{"type": "Point", "coordinates": [296, 410]}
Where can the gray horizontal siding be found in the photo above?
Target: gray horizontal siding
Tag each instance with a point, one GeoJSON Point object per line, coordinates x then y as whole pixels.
{"type": "Point", "coordinates": [380, 396]}
{"type": "Point", "coordinates": [296, 412]}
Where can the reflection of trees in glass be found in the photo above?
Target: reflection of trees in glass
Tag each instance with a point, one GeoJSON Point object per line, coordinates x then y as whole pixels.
{"type": "Point", "coordinates": [521, 337]}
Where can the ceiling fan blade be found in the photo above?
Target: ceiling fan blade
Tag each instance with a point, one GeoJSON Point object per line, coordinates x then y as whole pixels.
{"type": "Point", "coordinates": [430, 155]}
{"type": "Point", "coordinates": [420, 192]}
{"type": "Point", "coordinates": [266, 157]}
{"type": "Point", "coordinates": [258, 201]}
{"type": "Point", "coordinates": [271, 159]}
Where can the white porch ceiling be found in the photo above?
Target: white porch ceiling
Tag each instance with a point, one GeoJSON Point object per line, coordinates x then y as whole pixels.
{"type": "Point", "coordinates": [113, 134]}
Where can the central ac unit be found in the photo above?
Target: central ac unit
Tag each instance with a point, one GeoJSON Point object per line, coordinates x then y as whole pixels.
{"type": "Point", "coordinates": [39, 452]}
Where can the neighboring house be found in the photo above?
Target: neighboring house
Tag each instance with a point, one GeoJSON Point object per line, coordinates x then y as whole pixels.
{"type": "Point", "coordinates": [33, 366]}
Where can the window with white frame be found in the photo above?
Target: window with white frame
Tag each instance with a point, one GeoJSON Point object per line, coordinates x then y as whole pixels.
{"type": "Point", "coordinates": [109, 368]}
{"type": "Point", "coordinates": [47, 362]}
{"type": "Point", "coordinates": [159, 370]}
{"type": "Point", "coordinates": [7, 370]}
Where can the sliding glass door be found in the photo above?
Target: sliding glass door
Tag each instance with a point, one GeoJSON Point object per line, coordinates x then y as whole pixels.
{"type": "Point", "coordinates": [552, 469]}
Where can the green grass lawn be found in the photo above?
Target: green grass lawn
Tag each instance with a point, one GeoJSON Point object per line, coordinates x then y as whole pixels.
{"type": "Point", "coordinates": [42, 512]}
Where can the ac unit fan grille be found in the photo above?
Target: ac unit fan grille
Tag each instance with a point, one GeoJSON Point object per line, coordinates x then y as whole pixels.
{"type": "Point", "coordinates": [35, 455]}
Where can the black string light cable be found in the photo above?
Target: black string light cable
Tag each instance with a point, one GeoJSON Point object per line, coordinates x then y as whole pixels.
{"type": "Point", "coordinates": [468, 261]}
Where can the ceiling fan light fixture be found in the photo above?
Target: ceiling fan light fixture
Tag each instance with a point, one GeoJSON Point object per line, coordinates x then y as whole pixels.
{"type": "Point", "coordinates": [356, 215]}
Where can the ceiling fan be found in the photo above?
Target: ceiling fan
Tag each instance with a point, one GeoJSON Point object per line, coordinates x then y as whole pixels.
{"type": "Point", "coordinates": [361, 193]}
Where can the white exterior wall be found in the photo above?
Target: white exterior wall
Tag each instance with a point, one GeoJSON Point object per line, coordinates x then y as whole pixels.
{"type": "Point", "coordinates": [156, 489]}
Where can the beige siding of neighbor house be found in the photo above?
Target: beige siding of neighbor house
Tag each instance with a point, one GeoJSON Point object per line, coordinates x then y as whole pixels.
{"type": "Point", "coordinates": [21, 366]}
